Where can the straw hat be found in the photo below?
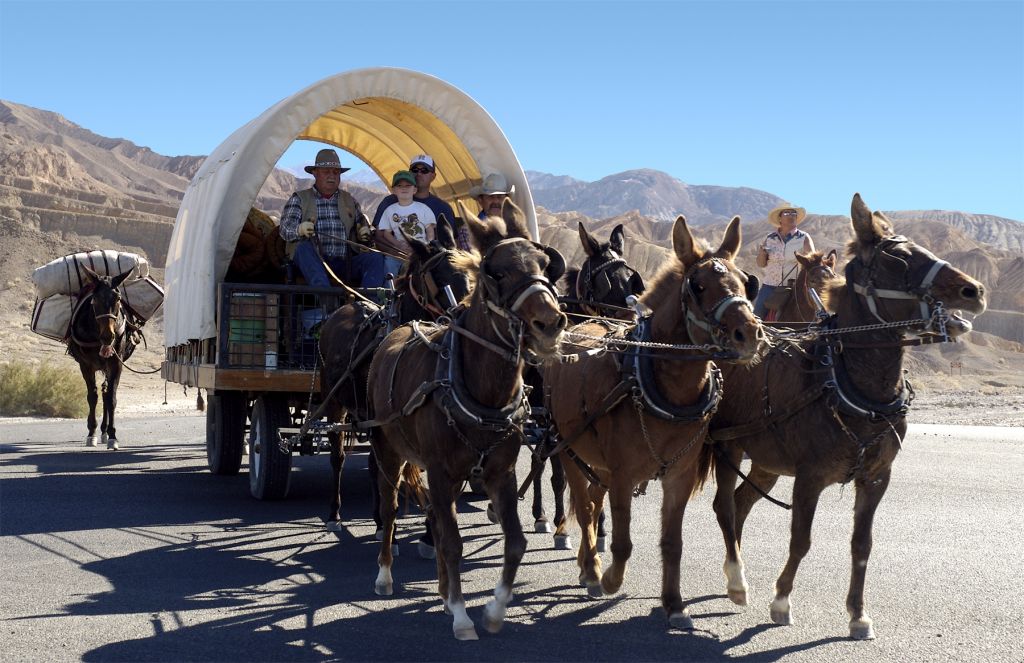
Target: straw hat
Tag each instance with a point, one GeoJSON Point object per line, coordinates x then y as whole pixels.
{"type": "Point", "coordinates": [773, 216]}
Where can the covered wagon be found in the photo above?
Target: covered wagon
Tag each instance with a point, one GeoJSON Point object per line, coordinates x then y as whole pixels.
{"type": "Point", "coordinates": [248, 344]}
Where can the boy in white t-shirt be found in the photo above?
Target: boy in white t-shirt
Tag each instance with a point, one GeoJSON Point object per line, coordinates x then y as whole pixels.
{"type": "Point", "coordinates": [413, 217]}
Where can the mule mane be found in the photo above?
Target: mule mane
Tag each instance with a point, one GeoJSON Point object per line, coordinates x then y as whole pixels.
{"type": "Point", "coordinates": [467, 262]}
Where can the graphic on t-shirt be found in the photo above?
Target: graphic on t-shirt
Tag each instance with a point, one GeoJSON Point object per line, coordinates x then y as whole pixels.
{"type": "Point", "coordinates": [410, 224]}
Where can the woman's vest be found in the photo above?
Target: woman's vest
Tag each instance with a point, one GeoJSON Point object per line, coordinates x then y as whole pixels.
{"type": "Point", "coordinates": [782, 265]}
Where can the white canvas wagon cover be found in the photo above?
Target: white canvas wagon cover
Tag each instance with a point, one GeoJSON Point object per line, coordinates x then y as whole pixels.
{"type": "Point", "coordinates": [383, 115]}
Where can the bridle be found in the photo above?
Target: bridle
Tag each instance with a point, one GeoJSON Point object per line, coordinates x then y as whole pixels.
{"type": "Point", "coordinates": [116, 314]}
{"type": "Point", "coordinates": [916, 289]}
{"type": "Point", "coordinates": [822, 273]}
{"type": "Point", "coordinates": [594, 283]}
{"type": "Point", "coordinates": [507, 304]}
{"type": "Point", "coordinates": [712, 316]}
{"type": "Point", "coordinates": [424, 289]}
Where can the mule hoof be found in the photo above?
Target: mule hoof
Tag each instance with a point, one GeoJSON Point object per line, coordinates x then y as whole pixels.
{"type": "Point", "coordinates": [595, 591]}
{"type": "Point", "coordinates": [781, 612]}
{"type": "Point", "coordinates": [466, 633]}
{"type": "Point", "coordinates": [426, 551]}
{"type": "Point", "coordinates": [738, 596]}
{"type": "Point", "coordinates": [542, 526]}
{"type": "Point", "coordinates": [563, 542]}
{"type": "Point", "coordinates": [112, 444]}
{"type": "Point", "coordinates": [491, 516]}
{"type": "Point", "coordinates": [862, 629]}
{"type": "Point", "coordinates": [91, 441]}
{"type": "Point", "coordinates": [333, 526]}
{"type": "Point", "coordinates": [492, 625]}
{"type": "Point", "coordinates": [602, 544]}
{"type": "Point", "coordinates": [383, 588]}
{"type": "Point", "coordinates": [681, 620]}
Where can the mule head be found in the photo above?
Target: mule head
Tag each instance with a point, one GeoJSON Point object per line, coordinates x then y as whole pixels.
{"type": "Point", "coordinates": [105, 302]}
{"type": "Point", "coordinates": [605, 281]}
{"type": "Point", "coordinates": [518, 276]}
{"type": "Point", "coordinates": [434, 265]}
{"type": "Point", "coordinates": [899, 280]}
{"type": "Point", "coordinates": [713, 292]}
{"type": "Point", "coordinates": [819, 268]}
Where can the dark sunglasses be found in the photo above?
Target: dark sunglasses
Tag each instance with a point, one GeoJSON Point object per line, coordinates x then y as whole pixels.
{"type": "Point", "coordinates": [788, 213]}
{"type": "Point", "coordinates": [420, 171]}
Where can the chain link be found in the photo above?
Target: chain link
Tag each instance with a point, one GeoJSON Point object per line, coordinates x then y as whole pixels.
{"type": "Point", "coordinates": [709, 348]}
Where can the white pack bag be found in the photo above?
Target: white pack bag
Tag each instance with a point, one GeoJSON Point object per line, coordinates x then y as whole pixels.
{"type": "Point", "coordinates": [143, 296]}
{"type": "Point", "coordinates": [51, 316]}
{"type": "Point", "coordinates": [65, 276]}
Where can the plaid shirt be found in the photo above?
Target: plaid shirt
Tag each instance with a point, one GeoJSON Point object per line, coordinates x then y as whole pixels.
{"type": "Point", "coordinates": [329, 228]}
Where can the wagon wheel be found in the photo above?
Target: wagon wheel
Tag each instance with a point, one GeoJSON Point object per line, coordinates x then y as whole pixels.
{"type": "Point", "coordinates": [269, 467]}
{"type": "Point", "coordinates": [225, 432]}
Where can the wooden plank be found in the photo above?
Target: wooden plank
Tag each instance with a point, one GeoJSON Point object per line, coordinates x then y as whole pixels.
{"type": "Point", "coordinates": [208, 376]}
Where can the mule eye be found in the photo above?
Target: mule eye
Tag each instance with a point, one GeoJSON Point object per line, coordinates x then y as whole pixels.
{"type": "Point", "coordinates": [697, 287]}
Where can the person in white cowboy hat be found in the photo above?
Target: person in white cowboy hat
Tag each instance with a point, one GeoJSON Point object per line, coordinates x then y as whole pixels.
{"type": "Point", "coordinates": [422, 166]}
{"type": "Point", "coordinates": [776, 255]}
{"type": "Point", "coordinates": [322, 222]}
{"type": "Point", "coordinates": [491, 194]}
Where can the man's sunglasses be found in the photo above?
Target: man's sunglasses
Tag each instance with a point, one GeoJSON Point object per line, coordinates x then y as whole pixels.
{"type": "Point", "coordinates": [420, 171]}
{"type": "Point", "coordinates": [788, 213]}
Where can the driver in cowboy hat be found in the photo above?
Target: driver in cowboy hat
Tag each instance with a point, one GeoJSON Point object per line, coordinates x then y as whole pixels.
{"type": "Point", "coordinates": [322, 223]}
{"type": "Point", "coordinates": [491, 194]}
{"type": "Point", "coordinates": [776, 255]}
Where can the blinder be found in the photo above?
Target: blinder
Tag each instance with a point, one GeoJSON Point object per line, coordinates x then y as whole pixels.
{"type": "Point", "coordinates": [517, 294]}
{"type": "Point", "coordinates": [919, 292]}
{"type": "Point", "coordinates": [751, 286]}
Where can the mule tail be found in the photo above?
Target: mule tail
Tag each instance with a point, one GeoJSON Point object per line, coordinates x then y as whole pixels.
{"type": "Point", "coordinates": [705, 466]}
{"type": "Point", "coordinates": [412, 479]}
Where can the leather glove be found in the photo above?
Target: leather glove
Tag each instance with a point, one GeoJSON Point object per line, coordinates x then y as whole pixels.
{"type": "Point", "coordinates": [305, 229]}
{"type": "Point", "coordinates": [362, 234]}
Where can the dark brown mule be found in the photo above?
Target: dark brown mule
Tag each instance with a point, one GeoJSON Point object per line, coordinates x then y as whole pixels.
{"type": "Point", "coordinates": [650, 423]}
{"type": "Point", "coordinates": [349, 337]}
{"type": "Point", "coordinates": [833, 411]}
{"type": "Point", "coordinates": [817, 271]}
{"type": "Point", "coordinates": [100, 341]}
{"type": "Point", "coordinates": [452, 401]}
{"type": "Point", "coordinates": [598, 288]}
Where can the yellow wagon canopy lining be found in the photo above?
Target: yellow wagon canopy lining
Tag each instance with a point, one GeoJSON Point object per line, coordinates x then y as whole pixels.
{"type": "Point", "coordinates": [385, 133]}
{"type": "Point", "coordinates": [383, 115]}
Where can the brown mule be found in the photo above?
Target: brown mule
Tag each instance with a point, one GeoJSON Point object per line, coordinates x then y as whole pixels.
{"type": "Point", "coordinates": [649, 423]}
{"type": "Point", "coordinates": [451, 400]}
{"type": "Point", "coordinates": [817, 271]}
{"type": "Point", "coordinates": [100, 341]}
{"type": "Point", "coordinates": [835, 411]}
{"type": "Point", "coordinates": [350, 336]}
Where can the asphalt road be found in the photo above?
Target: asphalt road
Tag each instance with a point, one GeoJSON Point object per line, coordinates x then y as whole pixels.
{"type": "Point", "coordinates": [141, 554]}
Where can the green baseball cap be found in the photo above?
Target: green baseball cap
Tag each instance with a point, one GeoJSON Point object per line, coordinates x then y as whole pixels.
{"type": "Point", "coordinates": [403, 175]}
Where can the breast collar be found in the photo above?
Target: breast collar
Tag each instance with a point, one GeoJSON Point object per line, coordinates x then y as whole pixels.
{"type": "Point", "coordinates": [637, 367]}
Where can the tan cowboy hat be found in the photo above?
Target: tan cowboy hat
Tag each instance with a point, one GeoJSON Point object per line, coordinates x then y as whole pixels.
{"type": "Point", "coordinates": [494, 184]}
{"type": "Point", "coordinates": [327, 158]}
{"type": "Point", "coordinates": [773, 216]}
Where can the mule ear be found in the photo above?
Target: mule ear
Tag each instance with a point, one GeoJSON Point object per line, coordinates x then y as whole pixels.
{"type": "Point", "coordinates": [484, 234]}
{"type": "Point", "coordinates": [420, 248]}
{"type": "Point", "coordinates": [515, 220]}
{"type": "Point", "coordinates": [93, 277]}
{"type": "Point", "coordinates": [615, 241]}
{"type": "Point", "coordinates": [869, 226]}
{"type": "Point", "coordinates": [590, 245]}
{"type": "Point", "coordinates": [686, 248]}
{"type": "Point", "coordinates": [805, 260]}
{"type": "Point", "coordinates": [116, 282]}
{"type": "Point", "coordinates": [831, 258]}
{"type": "Point", "coordinates": [731, 241]}
{"type": "Point", "coordinates": [443, 233]}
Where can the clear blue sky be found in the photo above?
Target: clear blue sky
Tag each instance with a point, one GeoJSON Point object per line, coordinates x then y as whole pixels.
{"type": "Point", "coordinates": [917, 105]}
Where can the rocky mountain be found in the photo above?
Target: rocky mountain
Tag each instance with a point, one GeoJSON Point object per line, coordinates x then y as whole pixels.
{"type": "Point", "coordinates": [651, 193]}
